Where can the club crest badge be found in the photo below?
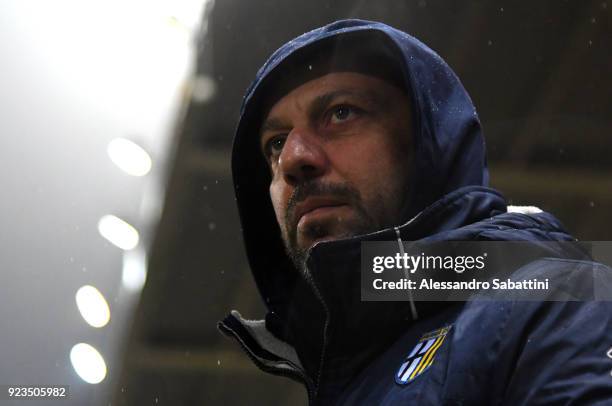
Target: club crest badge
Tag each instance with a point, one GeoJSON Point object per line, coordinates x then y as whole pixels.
{"type": "Point", "coordinates": [422, 356]}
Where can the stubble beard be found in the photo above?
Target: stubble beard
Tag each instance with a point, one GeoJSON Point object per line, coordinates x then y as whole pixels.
{"type": "Point", "coordinates": [362, 223]}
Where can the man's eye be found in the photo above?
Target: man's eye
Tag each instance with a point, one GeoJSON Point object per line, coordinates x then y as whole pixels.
{"type": "Point", "coordinates": [274, 146]}
{"type": "Point", "coordinates": [342, 113]}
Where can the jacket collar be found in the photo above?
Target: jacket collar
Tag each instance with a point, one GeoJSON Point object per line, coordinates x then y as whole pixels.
{"type": "Point", "coordinates": [333, 332]}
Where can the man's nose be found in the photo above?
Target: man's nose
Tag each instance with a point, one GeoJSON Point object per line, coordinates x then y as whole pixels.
{"type": "Point", "coordinates": [303, 157]}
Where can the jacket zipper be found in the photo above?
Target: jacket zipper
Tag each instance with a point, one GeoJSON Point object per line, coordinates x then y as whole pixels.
{"type": "Point", "coordinates": [324, 346]}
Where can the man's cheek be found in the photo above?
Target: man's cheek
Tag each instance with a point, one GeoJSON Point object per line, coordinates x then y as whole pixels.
{"type": "Point", "coordinates": [275, 197]}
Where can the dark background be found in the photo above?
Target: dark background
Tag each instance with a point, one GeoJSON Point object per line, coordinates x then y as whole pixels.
{"type": "Point", "coordinates": [539, 74]}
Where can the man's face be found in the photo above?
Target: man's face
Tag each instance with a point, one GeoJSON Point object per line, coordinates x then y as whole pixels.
{"type": "Point", "coordinates": [339, 149]}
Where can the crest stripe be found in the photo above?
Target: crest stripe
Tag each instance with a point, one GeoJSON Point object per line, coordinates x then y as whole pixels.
{"type": "Point", "coordinates": [413, 366]}
{"type": "Point", "coordinates": [425, 357]}
{"type": "Point", "coordinates": [416, 349]}
{"type": "Point", "coordinates": [429, 356]}
{"type": "Point", "coordinates": [402, 369]}
{"type": "Point", "coordinates": [430, 361]}
{"type": "Point", "coordinates": [427, 345]}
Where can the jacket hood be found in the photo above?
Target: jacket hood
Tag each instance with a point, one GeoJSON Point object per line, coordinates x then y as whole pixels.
{"type": "Point", "coordinates": [449, 151]}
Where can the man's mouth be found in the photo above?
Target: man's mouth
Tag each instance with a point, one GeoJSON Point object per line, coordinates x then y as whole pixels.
{"type": "Point", "coordinates": [315, 207]}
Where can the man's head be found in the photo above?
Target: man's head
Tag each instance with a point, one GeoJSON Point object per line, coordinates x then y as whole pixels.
{"type": "Point", "coordinates": [444, 149]}
{"type": "Point", "coordinates": [339, 150]}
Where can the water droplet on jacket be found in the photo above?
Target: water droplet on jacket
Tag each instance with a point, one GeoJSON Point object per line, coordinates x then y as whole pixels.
{"type": "Point", "coordinates": [212, 226]}
{"type": "Point", "coordinates": [489, 42]}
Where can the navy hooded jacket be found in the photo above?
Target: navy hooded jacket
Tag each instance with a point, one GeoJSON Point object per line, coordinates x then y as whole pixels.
{"type": "Point", "coordinates": [346, 351]}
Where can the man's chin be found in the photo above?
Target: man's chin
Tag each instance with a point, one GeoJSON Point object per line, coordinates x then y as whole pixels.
{"type": "Point", "coordinates": [321, 233]}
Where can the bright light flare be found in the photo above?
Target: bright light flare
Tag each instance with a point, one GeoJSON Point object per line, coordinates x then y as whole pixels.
{"type": "Point", "coordinates": [118, 232]}
{"type": "Point", "coordinates": [93, 306]}
{"type": "Point", "coordinates": [203, 89]}
{"type": "Point", "coordinates": [129, 156]}
{"type": "Point", "coordinates": [134, 272]}
{"type": "Point", "coordinates": [88, 363]}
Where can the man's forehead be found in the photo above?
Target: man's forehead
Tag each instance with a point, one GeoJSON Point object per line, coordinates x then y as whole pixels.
{"type": "Point", "coordinates": [354, 53]}
{"type": "Point", "coordinates": [322, 91]}
{"type": "Point", "coordinates": [330, 86]}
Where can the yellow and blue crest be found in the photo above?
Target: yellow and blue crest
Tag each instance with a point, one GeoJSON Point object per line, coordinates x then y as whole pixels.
{"type": "Point", "coordinates": [422, 356]}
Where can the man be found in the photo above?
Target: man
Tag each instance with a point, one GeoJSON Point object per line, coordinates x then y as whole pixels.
{"type": "Point", "coordinates": [358, 132]}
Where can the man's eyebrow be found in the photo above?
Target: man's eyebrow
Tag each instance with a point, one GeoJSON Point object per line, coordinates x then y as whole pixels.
{"type": "Point", "coordinates": [319, 104]}
{"type": "Point", "coordinates": [272, 124]}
